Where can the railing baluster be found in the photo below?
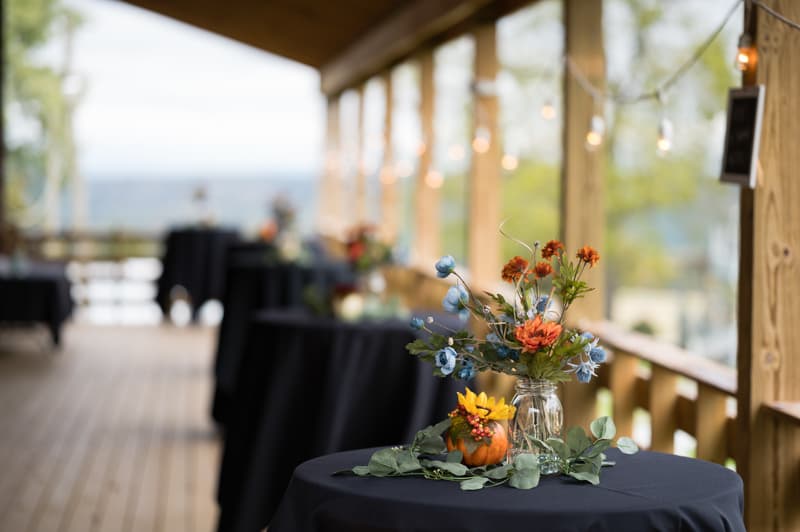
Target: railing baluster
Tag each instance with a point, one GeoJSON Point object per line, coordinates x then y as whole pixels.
{"type": "Point", "coordinates": [711, 423]}
{"type": "Point", "coordinates": [663, 399]}
{"type": "Point", "coordinates": [622, 382]}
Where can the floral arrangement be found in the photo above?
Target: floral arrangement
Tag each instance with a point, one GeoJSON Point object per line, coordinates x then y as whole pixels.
{"type": "Point", "coordinates": [527, 335]}
{"type": "Point", "coordinates": [431, 455]}
{"type": "Point", "coordinates": [365, 251]}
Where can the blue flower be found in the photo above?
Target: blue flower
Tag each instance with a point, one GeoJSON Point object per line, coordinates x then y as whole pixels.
{"type": "Point", "coordinates": [493, 338]}
{"type": "Point", "coordinates": [417, 323]}
{"type": "Point", "coordinates": [583, 373]}
{"type": "Point", "coordinates": [587, 335]}
{"type": "Point", "coordinates": [467, 371]}
{"type": "Point", "coordinates": [597, 354]}
{"type": "Point", "coordinates": [445, 266]}
{"type": "Point", "coordinates": [446, 360]}
{"type": "Point", "coordinates": [541, 304]}
{"type": "Point", "coordinates": [469, 348]}
{"type": "Point", "coordinates": [455, 299]}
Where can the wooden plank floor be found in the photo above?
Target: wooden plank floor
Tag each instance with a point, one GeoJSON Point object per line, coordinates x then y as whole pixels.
{"type": "Point", "coordinates": [110, 434]}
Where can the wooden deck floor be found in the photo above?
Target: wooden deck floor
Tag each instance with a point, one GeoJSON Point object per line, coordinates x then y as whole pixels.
{"type": "Point", "coordinates": [109, 434]}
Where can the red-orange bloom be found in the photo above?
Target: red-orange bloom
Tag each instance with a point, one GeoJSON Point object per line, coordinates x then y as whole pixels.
{"type": "Point", "coordinates": [588, 255]}
{"type": "Point", "coordinates": [542, 269]}
{"type": "Point", "coordinates": [536, 334]}
{"type": "Point", "coordinates": [515, 269]}
{"type": "Point", "coordinates": [551, 248]}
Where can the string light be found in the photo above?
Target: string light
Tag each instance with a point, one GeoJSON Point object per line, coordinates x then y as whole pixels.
{"type": "Point", "coordinates": [596, 133]}
{"type": "Point", "coordinates": [664, 141]}
{"type": "Point", "coordinates": [482, 140]}
{"type": "Point", "coordinates": [509, 162]}
{"type": "Point", "coordinates": [434, 179]}
{"type": "Point", "coordinates": [456, 152]}
{"type": "Point", "coordinates": [548, 110]}
{"type": "Point", "coordinates": [746, 53]}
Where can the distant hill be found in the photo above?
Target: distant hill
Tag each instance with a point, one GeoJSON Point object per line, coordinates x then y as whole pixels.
{"type": "Point", "coordinates": [156, 204]}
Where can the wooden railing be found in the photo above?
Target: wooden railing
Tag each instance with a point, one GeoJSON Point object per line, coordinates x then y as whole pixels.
{"type": "Point", "coordinates": [91, 245]}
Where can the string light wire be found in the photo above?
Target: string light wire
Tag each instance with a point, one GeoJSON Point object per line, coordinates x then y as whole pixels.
{"type": "Point", "coordinates": [789, 22]}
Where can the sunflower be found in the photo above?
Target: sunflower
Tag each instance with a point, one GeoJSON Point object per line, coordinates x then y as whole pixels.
{"type": "Point", "coordinates": [484, 406]}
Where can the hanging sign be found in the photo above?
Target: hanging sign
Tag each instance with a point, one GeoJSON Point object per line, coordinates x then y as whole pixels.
{"type": "Point", "coordinates": [742, 136]}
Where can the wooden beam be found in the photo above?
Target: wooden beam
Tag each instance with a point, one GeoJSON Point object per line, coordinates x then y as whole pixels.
{"type": "Point", "coordinates": [390, 207]}
{"type": "Point", "coordinates": [427, 221]}
{"type": "Point", "coordinates": [582, 182]}
{"type": "Point", "coordinates": [484, 193]}
{"type": "Point", "coordinates": [396, 37]}
{"type": "Point", "coordinates": [335, 195]}
{"type": "Point", "coordinates": [769, 291]}
{"type": "Point", "coordinates": [3, 185]}
{"type": "Point", "coordinates": [361, 171]}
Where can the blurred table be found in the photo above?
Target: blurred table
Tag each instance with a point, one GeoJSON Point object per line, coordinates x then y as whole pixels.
{"type": "Point", "coordinates": [194, 258]}
{"type": "Point", "coordinates": [35, 292]}
{"type": "Point", "coordinates": [646, 491]}
{"type": "Point", "coordinates": [309, 386]}
{"type": "Point", "coordinates": [256, 280]}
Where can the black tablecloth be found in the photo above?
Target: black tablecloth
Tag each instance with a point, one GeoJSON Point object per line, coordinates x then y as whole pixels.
{"type": "Point", "coordinates": [309, 387]}
{"type": "Point", "coordinates": [39, 293]}
{"type": "Point", "coordinates": [194, 258]}
{"type": "Point", "coordinates": [256, 281]}
{"type": "Point", "coordinates": [644, 492]}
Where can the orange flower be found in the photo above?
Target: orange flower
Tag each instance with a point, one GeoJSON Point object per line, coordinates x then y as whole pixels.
{"type": "Point", "coordinates": [535, 334]}
{"type": "Point", "coordinates": [551, 248]}
{"type": "Point", "coordinates": [514, 269]}
{"type": "Point", "coordinates": [588, 255]}
{"type": "Point", "coordinates": [542, 269]}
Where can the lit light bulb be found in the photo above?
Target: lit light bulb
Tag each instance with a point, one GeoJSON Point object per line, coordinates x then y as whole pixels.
{"type": "Point", "coordinates": [455, 152]}
{"type": "Point", "coordinates": [664, 141]}
{"type": "Point", "coordinates": [434, 179]}
{"type": "Point", "coordinates": [387, 175]}
{"type": "Point", "coordinates": [746, 53]}
{"type": "Point", "coordinates": [548, 111]}
{"type": "Point", "coordinates": [403, 169]}
{"type": "Point", "coordinates": [509, 162]}
{"type": "Point", "coordinates": [482, 140]}
{"type": "Point", "coordinates": [597, 130]}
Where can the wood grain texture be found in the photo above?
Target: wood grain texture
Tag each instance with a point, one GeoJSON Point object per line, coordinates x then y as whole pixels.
{"type": "Point", "coordinates": [769, 292]}
{"type": "Point", "coordinates": [582, 181]}
{"type": "Point", "coordinates": [622, 383]}
{"type": "Point", "coordinates": [110, 434]}
{"type": "Point", "coordinates": [485, 185]}
{"type": "Point", "coordinates": [427, 218]}
{"type": "Point", "coordinates": [663, 409]}
{"type": "Point", "coordinates": [390, 201]}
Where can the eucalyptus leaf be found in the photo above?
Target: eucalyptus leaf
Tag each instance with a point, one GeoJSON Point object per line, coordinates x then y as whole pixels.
{"type": "Point", "coordinates": [361, 470]}
{"type": "Point", "coordinates": [591, 478]}
{"type": "Point", "coordinates": [474, 483]}
{"type": "Point", "coordinates": [524, 479]}
{"type": "Point", "coordinates": [499, 473]}
{"type": "Point", "coordinates": [430, 441]}
{"type": "Point", "coordinates": [407, 461]}
{"type": "Point", "coordinates": [603, 428]}
{"type": "Point", "coordinates": [627, 445]}
{"type": "Point", "coordinates": [383, 463]}
{"type": "Point", "coordinates": [526, 461]}
{"type": "Point", "coordinates": [453, 468]}
{"type": "Point", "coordinates": [559, 447]}
{"type": "Point", "coordinates": [597, 448]}
{"type": "Point", "coordinates": [455, 456]}
{"type": "Point", "coordinates": [577, 440]}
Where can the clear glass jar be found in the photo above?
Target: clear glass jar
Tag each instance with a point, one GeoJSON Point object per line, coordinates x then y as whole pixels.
{"type": "Point", "coordinates": [540, 416]}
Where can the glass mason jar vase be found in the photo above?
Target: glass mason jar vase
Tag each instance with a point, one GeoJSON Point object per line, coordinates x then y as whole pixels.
{"type": "Point", "coordinates": [539, 415]}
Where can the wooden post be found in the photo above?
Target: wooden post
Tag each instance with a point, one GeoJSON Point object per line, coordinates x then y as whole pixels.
{"type": "Point", "coordinates": [390, 208]}
{"type": "Point", "coordinates": [334, 194]}
{"type": "Point", "coordinates": [582, 181]}
{"type": "Point", "coordinates": [663, 408]}
{"type": "Point", "coordinates": [711, 424]}
{"type": "Point", "coordinates": [768, 357]}
{"type": "Point", "coordinates": [427, 238]}
{"type": "Point", "coordinates": [3, 198]}
{"type": "Point", "coordinates": [361, 171]}
{"type": "Point", "coordinates": [484, 193]}
{"type": "Point", "coordinates": [622, 382]}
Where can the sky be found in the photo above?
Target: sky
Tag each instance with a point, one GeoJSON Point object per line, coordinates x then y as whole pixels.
{"type": "Point", "coordinates": [163, 98]}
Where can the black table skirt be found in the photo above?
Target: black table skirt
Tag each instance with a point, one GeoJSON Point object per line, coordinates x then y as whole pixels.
{"type": "Point", "coordinates": [309, 387]}
{"type": "Point", "coordinates": [644, 492]}
{"type": "Point", "coordinates": [194, 258]}
{"type": "Point", "coordinates": [256, 281]}
{"type": "Point", "coordinates": [39, 295]}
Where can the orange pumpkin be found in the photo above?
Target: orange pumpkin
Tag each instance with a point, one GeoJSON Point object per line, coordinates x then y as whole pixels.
{"type": "Point", "coordinates": [483, 454]}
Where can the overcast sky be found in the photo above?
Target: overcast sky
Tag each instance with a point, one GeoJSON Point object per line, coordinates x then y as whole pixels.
{"type": "Point", "coordinates": [164, 98]}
